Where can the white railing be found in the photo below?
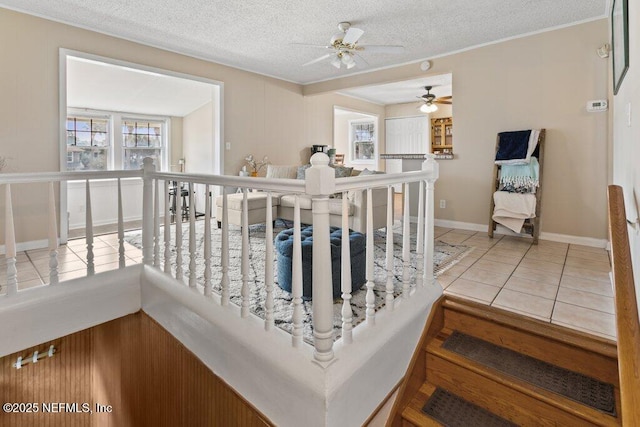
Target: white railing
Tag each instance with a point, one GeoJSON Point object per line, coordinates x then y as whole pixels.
{"type": "Point", "coordinates": [162, 217]}
{"type": "Point", "coordinates": [48, 213]}
{"type": "Point", "coordinates": [320, 184]}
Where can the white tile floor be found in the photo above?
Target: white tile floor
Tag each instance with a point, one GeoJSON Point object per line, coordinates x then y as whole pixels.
{"type": "Point", "coordinates": [559, 283]}
{"type": "Point", "coordinates": [563, 284]}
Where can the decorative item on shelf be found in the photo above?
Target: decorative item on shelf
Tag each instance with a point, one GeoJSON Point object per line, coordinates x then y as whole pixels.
{"type": "Point", "coordinates": [331, 152]}
{"type": "Point", "coordinates": [256, 165]}
{"type": "Point", "coordinates": [3, 163]}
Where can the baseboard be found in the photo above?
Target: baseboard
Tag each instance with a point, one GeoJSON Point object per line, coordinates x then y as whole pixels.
{"type": "Point", "coordinates": [109, 221]}
{"type": "Point", "coordinates": [28, 246]}
{"type": "Point", "coordinates": [553, 237]}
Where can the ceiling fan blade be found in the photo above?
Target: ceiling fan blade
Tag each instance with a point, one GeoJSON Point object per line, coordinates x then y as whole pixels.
{"type": "Point", "coordinates": [321, 46]}
{"type": "Point", "coordinates": [352, 35]}
{"type": "Point", "coordinates": [446, 97]}
{"type": "Point", "coordinates": [322, 58]}
{"type": "Point", "coordinates": [382, 48]}
{"type": "Point", "coordinates": [360, 61]}
{"type": "Point", "coordinates": [441, 101]}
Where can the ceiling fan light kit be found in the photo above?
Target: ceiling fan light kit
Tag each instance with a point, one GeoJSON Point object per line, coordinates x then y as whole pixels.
{"type": "Point", "coordinates": [428, 108]}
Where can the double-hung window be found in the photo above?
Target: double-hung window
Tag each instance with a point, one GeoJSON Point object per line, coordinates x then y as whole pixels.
{"type": "Point", "coordinates": [88, 143]}
{"type": "Point", "coordinates": [140, 139]}
{"type": "Point", "coordinates": [103, 140]}
{"type": "Point", "coordinates": [362, 140]}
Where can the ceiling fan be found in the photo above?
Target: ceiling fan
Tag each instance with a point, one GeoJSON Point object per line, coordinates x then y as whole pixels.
{"type": "Point", "coordinates": [346, 50]}
{"type": "Point", "coordinates": [429, 101]}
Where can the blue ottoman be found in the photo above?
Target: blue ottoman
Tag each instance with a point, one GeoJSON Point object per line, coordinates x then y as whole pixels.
{"type": "Point", "coordinates": [284, 247]}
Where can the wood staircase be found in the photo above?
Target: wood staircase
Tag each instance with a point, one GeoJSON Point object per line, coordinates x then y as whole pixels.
{"type": "Point", "coordinates": [517, 401]}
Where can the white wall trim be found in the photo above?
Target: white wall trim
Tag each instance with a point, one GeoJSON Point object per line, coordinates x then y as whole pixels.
{"type": "Point", "coordinates": [43, 313]}
{"type": "Point", "coordinates": [554, 237]}
{"type": "Point", "coordinates": [28, 246]}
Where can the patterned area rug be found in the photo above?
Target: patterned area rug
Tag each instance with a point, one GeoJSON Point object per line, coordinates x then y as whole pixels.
{"type": "Point", "coordinates": [445, 256]}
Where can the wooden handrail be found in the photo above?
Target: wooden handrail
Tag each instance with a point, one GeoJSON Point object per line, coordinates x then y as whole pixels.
{"type": "Point", "coordinates": [627, 322]}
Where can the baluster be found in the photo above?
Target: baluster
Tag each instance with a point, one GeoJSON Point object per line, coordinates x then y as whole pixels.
{"type": "Point", "coordinates": [10, 244]}
{"type": "Point", "coordinates": [296, 277]}
{"type": "Point", "coordinates": [345, 259]}
{"type": "Point", "coordinates": [244, 292]}
{"type": "Point", "coordinates": [406, 244]}
{"type": "Point", "coordinates": [121, 259]}
{"type": "Point", "coordinates": [147, 210]}
{"type": "Point", "coordinates": [192, 237]}
{"type": "Point", "coordinates": [178, 217]}
{"type": "Point", "coordinates": [268, 265]}
{"type": "Point", "coordinates": [53, 238]}
{"type": "Point", "coordinates": [389, 249]}
{"type": "Point", "coordinates": [370, 298]}
{"type": "Point", "coordinates": [207, 242]}
{"type": "Point", "coordinates": [167, 229]}
{"type": "Point", "coordinates": [429, 237]}
{"type": "Point", "coordinates": [89, 231]}
{"type": "Point", "coordinates": [420, 238]}
{"type": "Point", "coordinates": [156, 225]}
{"type": "Point", "coordinates": [224, 284]}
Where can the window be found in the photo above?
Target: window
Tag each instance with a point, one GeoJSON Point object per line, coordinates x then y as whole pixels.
{"type": "Point", "coordinates": [363, 140]}
{"type": "Point", "coordinates": [94, 142]}
{"type": "Point", "coordinates": [141, 139]}
{"type": "Point", "coordinates": [88, 143]}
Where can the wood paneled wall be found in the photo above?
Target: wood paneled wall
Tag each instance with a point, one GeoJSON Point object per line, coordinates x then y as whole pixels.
{"type": "Point", "coordinates": [135, 366]}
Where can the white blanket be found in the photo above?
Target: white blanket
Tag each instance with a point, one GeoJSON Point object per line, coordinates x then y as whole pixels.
{"type": "Point", "coordinates": [511, 209]}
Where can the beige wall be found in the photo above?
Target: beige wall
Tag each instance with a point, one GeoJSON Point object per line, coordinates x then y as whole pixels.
{"type": "Point", "coordinates": [538, 81]}
{"type": "Point", "coordinates": [626, 144]}
{"type": "Point", "coordinates": [541, 81]}
{"type": "Point", "coordinates": [176, 144]}
{"type": "Point", "coordinates": [197, 143]}
{"type": "Point", "coordinates": [262, 115]}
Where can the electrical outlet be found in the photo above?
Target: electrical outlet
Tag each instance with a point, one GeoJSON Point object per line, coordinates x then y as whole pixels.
{"type": "Point", "coordinates": [227, 146]}
{"type": "Point", "coordinates": [443, 204]}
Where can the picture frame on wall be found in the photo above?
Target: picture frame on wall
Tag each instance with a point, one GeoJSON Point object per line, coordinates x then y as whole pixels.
{"type": "Point", "coordinates": [619, 41]}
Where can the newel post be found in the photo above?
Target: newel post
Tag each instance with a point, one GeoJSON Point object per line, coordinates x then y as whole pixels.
{"type": "Point", "coordinates": [147, 210]}
{"type": "Point", "coordinates": [320, 183]}
{"type": "Point", "coordinates": [431, 166]}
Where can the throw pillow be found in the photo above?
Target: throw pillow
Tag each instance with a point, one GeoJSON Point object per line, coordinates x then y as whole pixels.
{"type": "Point", "coordinates": [302, 170]}
{"type": "Point", "coordinates": [342, 171]}
{"type": "Point", "coordinates": [277, 171]}
{"type": "Point", "coordinates": [366, 172]}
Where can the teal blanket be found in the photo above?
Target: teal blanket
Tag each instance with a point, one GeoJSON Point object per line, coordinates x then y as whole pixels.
{"type": "Point", "coordinates": [520, 178]}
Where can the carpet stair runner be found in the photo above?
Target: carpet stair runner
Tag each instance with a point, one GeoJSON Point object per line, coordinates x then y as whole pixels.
{"type": "Point", "coordinates": [481, 366]}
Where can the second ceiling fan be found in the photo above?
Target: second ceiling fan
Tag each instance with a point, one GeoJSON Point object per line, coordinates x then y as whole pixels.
{"type": "Point", "coordinates": [429, 101]}
{"type": "Point", "coordinates": [346, 50]}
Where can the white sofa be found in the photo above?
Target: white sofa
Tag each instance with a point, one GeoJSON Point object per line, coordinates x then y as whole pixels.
{"type": "Point", "coordinates": [283, 206]}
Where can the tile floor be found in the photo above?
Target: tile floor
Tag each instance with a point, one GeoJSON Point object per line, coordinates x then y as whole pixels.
{"type": "Point", "coordinates": [563, 284]}
{"type": "Point", "coordinates": [33, 266]}
{"type": "Point", "coordinates": [555, 282]}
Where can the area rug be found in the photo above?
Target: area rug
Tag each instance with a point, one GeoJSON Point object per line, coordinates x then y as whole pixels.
{"type": "Point", "coordinates": [445, 256]}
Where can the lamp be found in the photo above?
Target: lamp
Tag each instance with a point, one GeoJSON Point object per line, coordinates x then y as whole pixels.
{"type": "Point", "coordinates": [428, 108]}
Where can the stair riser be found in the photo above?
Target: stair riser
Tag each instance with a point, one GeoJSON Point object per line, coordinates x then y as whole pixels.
{"type": "Point", "coordinates": [557, 353]}
{"type": "Point", "coordinates": [498, 398]}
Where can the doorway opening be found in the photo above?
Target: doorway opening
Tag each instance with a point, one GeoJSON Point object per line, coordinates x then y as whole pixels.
{"type": "Point", "coordinates": [113, 114]}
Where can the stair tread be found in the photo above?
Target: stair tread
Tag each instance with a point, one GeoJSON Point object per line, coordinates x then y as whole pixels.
{"type": "Point", "coordinates": [454, 411]}
{"type": "Point", "coordinates": [435, 347]}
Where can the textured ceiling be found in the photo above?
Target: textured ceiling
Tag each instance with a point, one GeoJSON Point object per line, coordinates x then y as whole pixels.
{"type": "Point", "coordinates": [256, 35]}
